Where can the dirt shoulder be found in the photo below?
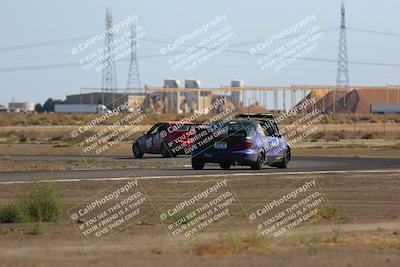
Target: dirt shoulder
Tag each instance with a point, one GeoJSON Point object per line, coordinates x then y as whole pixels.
{"type": "Point", "coordinates": [363, 232]}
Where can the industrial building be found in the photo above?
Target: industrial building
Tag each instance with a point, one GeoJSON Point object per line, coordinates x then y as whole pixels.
{"type": "Point", "coordinates": [111, 100]}
{"type": "Point", "coordinates": [172, 99]}
{"type": "Point", "coordinates": [25, 107]}
{"type": "Point", "coordinates": [192, 98]}
{"type": "Point", "coordinates": [354, 100]}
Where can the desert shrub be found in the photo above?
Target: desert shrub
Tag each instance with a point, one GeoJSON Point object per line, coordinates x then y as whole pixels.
{"type": "Point", "coordinates": [57, 138]}
{"type": "Point", "coordinates": [367, 136]}
{"type": "Point", "coordinates": [316, 136]}
{"type": "Point", "coordinates": [16, 212]}
{"type": "Point", "coordinates": [62, 145]}
{"type": "Point", "coordinates": [42, 204]}
{"type": "Point", "coordinates": [23, 138]}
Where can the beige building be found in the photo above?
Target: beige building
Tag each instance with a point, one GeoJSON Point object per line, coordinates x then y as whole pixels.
{"type": "Point", "coordinates": [111, 100]}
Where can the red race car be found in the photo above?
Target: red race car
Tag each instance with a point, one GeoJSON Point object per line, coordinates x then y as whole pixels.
{"type": "Point", "coordinates": [166, 138]}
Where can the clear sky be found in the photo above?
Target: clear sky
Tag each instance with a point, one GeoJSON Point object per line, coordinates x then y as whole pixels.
{"type": "Point", "coordinates": [26, 22]}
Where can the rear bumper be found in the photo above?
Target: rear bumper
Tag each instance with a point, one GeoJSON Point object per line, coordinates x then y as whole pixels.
{"type": "Point", "coordinates": [244, 157]}
{"type": "Point", "coordinates": [212, 155]}
{"type": "Point", "coordinates": [182, 148]}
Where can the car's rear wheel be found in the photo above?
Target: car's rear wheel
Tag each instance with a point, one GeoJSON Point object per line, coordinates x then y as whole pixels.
{"type": "Point", "coordinates": [258, 164]}
{"type": "Point", "coordinates": [197, 164]}
{"type": "Point", "coordinates": [225, 165]}
{"type": "Point", "coordinates": [284, 161]}
{"type": "Point", "coordinates": [137, 152]}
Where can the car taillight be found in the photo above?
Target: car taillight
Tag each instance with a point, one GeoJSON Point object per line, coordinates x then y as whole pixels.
{"type": "Point", "coordinates": [248, 144]}
{"type": "Point", "coordinates": [242, 144]}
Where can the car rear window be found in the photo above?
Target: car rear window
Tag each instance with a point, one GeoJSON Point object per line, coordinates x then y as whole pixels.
{"type": "Point", "coordinates": [234, 128]}
{"type": "Point", "coordinates": [239, 126]}
{"type": "Point", "coordinates": [181, 128]}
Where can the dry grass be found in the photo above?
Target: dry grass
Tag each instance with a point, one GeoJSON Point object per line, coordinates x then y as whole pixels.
{"type": "Point", "coordinates": [16, 119]}
{"type": "Point", "coordinates": [337, 132]}
{"type": "Point", "coordinates": [9, 165]}
{"type": "Point", "coordinates": [51, 134]}
{"type": "Point", "coordinates": [57, 127]}
{"type": "Point", "coordinates": [234, 244]}
{"type": "Point", "coordinates": [230, 244]}
{"type": "Point", "coordinates": [338, 238]}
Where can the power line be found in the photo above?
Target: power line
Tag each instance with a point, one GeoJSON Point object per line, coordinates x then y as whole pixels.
{"type": "Point", "coordinates": [41, 44]}
{"type": "Point", "coordinates": [75, 64]}
{"type": "Point", "coordinates": [325, 30]}
{"type": "Point", "coordinates": [84, 37]}
{"type": "Point", "coordinates": [263, 54]}
{"type": "Point", "coordinates": [72, 64]}
{"type": "Point", "coordinates": [374, 32]}
{"type": "Point", "coordinates": [37, 67]}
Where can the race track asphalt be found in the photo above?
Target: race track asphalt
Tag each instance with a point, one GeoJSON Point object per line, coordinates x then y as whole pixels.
{"type": "Point", "coordinates": [182, 168]}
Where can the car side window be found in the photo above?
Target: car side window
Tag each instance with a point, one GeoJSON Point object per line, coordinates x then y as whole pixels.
{"type": "Point", "coordinates": [268, 129]}
{"type": "Point", "coordinates": [276, 130]}
{"type": "Point", "coordinates": [260, 130]}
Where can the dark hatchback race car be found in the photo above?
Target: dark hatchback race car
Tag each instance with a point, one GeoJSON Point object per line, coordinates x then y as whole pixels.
{"type": "Point", "coordinates": [166, 138]}
{"type": "Point", "coordinates": [249, 140]}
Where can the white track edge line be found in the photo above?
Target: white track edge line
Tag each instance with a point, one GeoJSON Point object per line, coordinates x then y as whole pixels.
{"type": "Point", "coordinates": [194, 176]}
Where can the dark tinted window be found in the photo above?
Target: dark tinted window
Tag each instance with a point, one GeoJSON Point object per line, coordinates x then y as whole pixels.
{"type": "Point", "coordinates": [155, 128]}
{"type": "Point", "coordinates": [270, 128]}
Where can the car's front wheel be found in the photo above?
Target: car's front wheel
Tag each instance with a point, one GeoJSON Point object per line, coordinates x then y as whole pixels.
{"type": "Point", "coordinates": [197, 164]}
{"type": "Point", "coordinates": [137, 152]}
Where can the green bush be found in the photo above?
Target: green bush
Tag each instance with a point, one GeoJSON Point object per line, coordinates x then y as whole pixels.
{"type": "Point", "coordinates": [44, 205]}
{"type": "Point", "coordinates": [16, 212]}
{"type": "Point", "coordinates": [41, 205]}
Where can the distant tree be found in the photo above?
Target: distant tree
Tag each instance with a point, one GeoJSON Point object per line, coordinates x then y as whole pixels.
{"type": "Point", "coordinates": [38, 108]}
{"type": "Point", "coordinates": [48, 106]}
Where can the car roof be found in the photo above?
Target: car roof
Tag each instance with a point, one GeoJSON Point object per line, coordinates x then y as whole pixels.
{"type": "Point", "coordinates": [250, 120]}
{"type": "Point", "coordinates": [179, 122]}
{"type": "Point", "coordinates": [255, 116]}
